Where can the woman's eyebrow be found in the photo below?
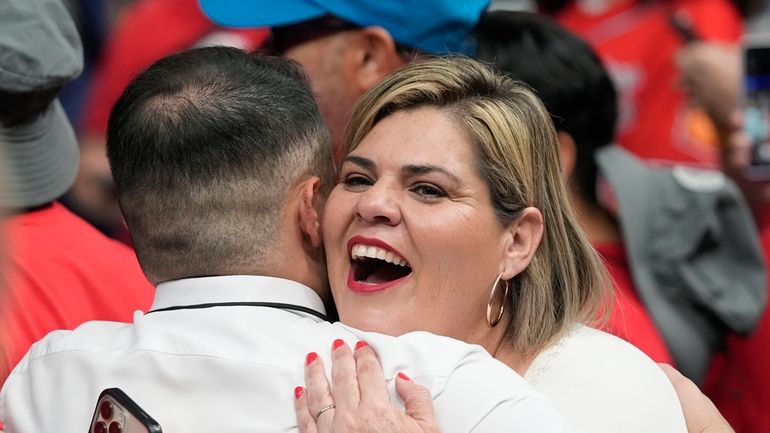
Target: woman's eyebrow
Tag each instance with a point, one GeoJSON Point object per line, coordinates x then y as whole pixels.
{"type": "Point", "coordinates": [360, 161]}
{"type": "Point", "coordinates": [412, 170]}
{"type": "Point", "coordinates": [407, 170]}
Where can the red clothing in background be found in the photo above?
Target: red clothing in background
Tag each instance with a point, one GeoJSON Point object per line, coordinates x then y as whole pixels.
{"type": "Point", "coordinates": [637, 44]}
{"type": "Point", "coordinates": [59, 273]}
{"type": "Point", "coordinates": [629, 319]}
{"type": "Point", "coordinates": [739, 379]}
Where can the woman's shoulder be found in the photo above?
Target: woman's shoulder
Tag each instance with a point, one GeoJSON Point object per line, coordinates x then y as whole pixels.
{"type": "Point", "coordinates": [591, 350]}
{"type": "Point", "coordinates": [603, 384]}
{"type": "Point", "coordinates": [590, 344]}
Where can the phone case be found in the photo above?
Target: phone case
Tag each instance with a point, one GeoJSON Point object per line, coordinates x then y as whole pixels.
{"type": "Point", "coordinates": [116, 412]}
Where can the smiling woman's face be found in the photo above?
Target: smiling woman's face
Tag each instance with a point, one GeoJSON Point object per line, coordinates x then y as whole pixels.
{"type": "Point", "coordinates": [412, 241]}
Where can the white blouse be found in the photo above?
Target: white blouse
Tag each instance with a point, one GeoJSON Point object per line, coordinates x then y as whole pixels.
{"type": "Point", "coordinates": [603, 384]}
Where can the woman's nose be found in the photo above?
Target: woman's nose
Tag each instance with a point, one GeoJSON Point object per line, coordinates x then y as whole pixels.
{"type": "Point", "coordinates": [379, 205]}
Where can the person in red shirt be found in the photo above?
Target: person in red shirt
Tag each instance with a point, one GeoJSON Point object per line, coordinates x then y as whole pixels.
{"type": "Point", "coordinates": [638, 44]}
{"type": "Point", "coordinates": [584, 108]}
{"type": "Point", "coordinates": [59, 271]}
{"type": "Point", "coordinates": [739, 380]}
{"type": "Point", "coordinates": [673, 239]}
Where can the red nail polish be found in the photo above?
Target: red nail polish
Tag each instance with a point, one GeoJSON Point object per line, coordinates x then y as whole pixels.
{"type": "Point", "coordinates": [361, 345]}
{"type": "Point", "coordinates": [311, 358]}
{"type": "Point", "coordinates": [401, 376]}
{"type": "Point", "coordinates": [298, 391]}
{"type": "Point", "coordinates": [337, 344]}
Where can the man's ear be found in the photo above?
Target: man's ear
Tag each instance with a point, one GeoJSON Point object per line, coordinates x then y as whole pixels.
{"type": "Point", "coordinates": [309, 208]}
{"type": "Point", "coordinates": [522, 239]}
{"type": "Point", "coordinates": [568, 151]}
{"type": "Point", "coordinates": [377, 56]}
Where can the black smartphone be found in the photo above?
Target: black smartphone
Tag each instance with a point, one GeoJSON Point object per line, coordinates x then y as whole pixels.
{"type": "Point", "coordinates": [756, 102]}
{"type": "Point", "coordinates": [116, 413]}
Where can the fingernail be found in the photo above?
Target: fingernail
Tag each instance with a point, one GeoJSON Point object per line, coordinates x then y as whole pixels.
{"type": "Point", "coordinates": [311, 358]}
{"type": "Point", "coordinates": [298, 391]}
{"type": "Point", "coordinates": [337, 344]}
{"type": "Point", "coordinates": [401, 376]}
{"type": "Point", "coordinates": [361, 345]}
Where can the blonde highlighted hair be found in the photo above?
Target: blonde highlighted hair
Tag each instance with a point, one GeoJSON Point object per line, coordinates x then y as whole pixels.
{"type": "Point", "coordinates": [517, 153]}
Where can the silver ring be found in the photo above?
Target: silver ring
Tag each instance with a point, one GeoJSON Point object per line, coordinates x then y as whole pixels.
{"type": "Point", "coordinates": [324, 409]}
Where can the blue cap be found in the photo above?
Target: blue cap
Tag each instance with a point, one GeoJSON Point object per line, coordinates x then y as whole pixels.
{"type": "Point", "coordinates": [433, 26]}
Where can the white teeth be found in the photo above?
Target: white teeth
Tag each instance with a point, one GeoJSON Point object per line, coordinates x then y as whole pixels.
{"type": "Point", "coordinates": [371, 252]}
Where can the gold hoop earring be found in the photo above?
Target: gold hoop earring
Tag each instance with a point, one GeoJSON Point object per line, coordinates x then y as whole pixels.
{"type": "Point", "coordinates": [490, 322]}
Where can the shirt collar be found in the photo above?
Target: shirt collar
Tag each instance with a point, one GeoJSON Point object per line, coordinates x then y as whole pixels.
{"type": "Point", "coordinates": [235, 288]}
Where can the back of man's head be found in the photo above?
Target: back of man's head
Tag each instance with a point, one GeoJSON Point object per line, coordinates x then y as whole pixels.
{"type": "Point", "coordinates": [567, 75]}
{"type": "Point", "coordinates": [204, 147]}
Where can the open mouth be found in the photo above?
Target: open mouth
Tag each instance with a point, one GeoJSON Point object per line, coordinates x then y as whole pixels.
{"type": "Point", "coordinates": [372, 265]}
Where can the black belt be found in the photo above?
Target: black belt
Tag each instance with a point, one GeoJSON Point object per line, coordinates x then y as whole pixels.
{"type": "Point", "coordinates": [246, 304]}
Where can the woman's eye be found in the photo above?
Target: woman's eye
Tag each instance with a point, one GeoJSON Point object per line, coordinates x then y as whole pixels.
{"type": "Point", "coordinates": [428, 191]}
{"type": "Point", "coordinates": [356, 181]}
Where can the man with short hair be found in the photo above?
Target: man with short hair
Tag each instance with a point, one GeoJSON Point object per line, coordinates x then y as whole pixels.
{"type": "Point", "coordinates": [215, 160]}
{"type": "Point", "coordinates": [222, 163]}
{"type": "Point", "coordinates": [348, 46]}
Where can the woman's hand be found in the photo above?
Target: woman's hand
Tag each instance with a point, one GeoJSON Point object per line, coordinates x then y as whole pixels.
{"type": "Point", "coordinates": [359, 401]}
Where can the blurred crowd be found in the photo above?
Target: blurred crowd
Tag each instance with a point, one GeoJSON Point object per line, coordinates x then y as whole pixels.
{"type": "Point", "coordinates": [658, 163]}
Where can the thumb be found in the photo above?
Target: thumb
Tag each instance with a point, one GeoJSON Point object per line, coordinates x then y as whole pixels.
{"type": "Point", "coordinates": [417, 402]}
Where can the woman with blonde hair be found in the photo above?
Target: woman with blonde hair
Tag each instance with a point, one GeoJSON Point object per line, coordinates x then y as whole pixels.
{"type": "Point", "coordinates": [451, 216]}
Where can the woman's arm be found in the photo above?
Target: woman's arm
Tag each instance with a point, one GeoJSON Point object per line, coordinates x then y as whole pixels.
{"type": "Point", "coordinates": [699, 412]}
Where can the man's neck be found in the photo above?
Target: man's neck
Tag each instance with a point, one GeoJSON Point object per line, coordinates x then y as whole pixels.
{"type": "Point", "coordinates": [296, 264]}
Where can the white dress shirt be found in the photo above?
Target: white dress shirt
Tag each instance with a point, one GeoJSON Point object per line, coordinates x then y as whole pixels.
{"type": "Point", "coordinates": [603, 384]}
{"type": "Point", "coordinates": [234, 368]}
